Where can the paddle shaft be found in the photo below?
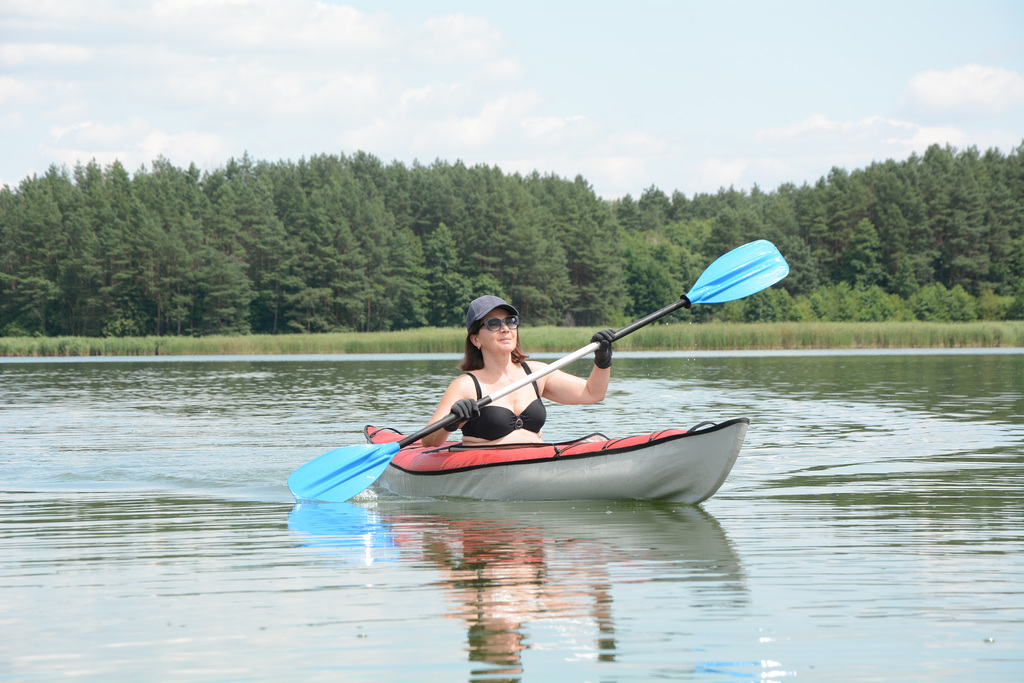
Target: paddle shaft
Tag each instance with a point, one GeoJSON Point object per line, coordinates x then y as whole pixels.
{"type": "Point", "coordinates": [450, 418]}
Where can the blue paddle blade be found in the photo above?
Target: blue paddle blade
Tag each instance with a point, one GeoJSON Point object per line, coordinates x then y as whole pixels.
{"type": "Point", "coordinates": [341, 474]}
{"type": "Point", "coordinates": [743, 271]}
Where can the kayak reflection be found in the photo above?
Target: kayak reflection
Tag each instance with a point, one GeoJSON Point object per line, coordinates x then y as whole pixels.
{"type": "Point", "coordinates": [538, 575]}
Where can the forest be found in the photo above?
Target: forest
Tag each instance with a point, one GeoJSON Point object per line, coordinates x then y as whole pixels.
{"type": "Point", "coordinates": [349, 243]}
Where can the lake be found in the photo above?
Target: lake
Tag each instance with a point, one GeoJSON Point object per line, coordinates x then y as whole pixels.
{"type": "Point", "coordinates": [872, 528]}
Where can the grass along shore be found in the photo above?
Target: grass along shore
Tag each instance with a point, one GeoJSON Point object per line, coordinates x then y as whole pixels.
{"type": "Point", "coordinates": [676, 336]}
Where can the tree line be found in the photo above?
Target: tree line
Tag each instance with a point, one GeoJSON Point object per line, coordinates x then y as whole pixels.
{"type": "Point", "coordinates": [338, 242]}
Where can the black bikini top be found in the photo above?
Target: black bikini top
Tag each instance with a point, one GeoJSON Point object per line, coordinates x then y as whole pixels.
{"type": "Point", "coordinates": [497, 421]}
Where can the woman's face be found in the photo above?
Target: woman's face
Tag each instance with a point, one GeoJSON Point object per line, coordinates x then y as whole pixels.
{"type": "Point", "coordinates": [503, 339]}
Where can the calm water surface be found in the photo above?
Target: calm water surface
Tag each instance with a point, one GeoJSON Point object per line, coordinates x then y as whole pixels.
{"type": "Point", "coordinates": [872, 529]}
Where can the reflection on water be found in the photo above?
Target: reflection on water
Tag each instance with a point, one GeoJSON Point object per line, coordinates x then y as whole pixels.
{"type": "Point", "coordinates": [510, 570]}
{"type": "Point", "coordinates": [347, 531]}
{"type": "Point", "coordinates": [872, 528]}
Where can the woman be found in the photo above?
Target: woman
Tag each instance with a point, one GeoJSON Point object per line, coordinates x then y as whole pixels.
{"type": "Point", "coordinates": [494, 359]}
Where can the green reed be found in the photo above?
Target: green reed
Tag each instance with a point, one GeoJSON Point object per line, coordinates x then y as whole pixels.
{"type": "Point", "coordinates": [655, 337]}
{"type": "Point", "coordinates": [882, 335]}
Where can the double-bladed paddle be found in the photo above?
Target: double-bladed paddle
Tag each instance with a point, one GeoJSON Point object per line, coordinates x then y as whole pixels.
{"type": "Point", "coordinates": [338, 475]}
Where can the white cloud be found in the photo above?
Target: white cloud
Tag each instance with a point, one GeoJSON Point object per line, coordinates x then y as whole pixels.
{"type": "Point", "coordinates": [228, 25]}
{"type": "Point", "coordinates": [820, 128]}
{"type": "Point", "coordinates": [132, 79]}
{"type": "Point", "coordinates": [16, 54]}
{"type": "Point", "coordinates": [101, 135]}
{"type": "Point", "coordinates": [494, 116]}
{"type": "Point", "coordinates": [614, 162]}
{"type": "Point", "coordinates": [505, 70]}
{"type": "Point", "coordinates": [635, 143]}
{"type": "Point", "coordinates": [971, 88]}
{"type": "Point", "coordinates": [802, 151]}
{"type": "Point", "coordinates": [296, 77]}
{"type": "Point", "coordinates": [134, 143]}
{"type": "Point", "coordinates": [814, 124]}
{"type": "Point", "coordinates": [436, 95]}
{"type": "Point", "coordinates": [171, 75]}
{"type": "Point", "coordinates": [54, 12]}
{"type": "Point", "coordinates": [14, 91]}
{"type": "Point", "coordinates": [11, 122]}
{"type": "Point", "coordinates": [722, 172]}
{"type": "Point", "coordinates": [375, 135]}
{"type": "Point", "coordinates": [254, 91]}
{"type": "Point", "coordinates": [873, 137]}
{"type": "Point", "coordinates": [70, 157]}
{"type": "Point", "coordinates": [808, 149]}
{"type": "Point", "coordinates": [457, 38]}
{"type": "Point", "coordinates": [58, 132]}
{"type": "Point", "coordinates": [549, 127]}
{"type": "Point", "coordinates": [618, 171]}
{"type": "Point", "coordinates": [923, 137]}
{"type": "Point", "coordinates": [205, 149]}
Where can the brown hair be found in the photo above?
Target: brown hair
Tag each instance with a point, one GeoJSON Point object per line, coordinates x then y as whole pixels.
{"type": "Point", "coordinates": [474, 358]}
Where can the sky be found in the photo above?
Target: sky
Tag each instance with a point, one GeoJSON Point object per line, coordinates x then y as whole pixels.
{"type": "Point", "coordinates": [680, 95]}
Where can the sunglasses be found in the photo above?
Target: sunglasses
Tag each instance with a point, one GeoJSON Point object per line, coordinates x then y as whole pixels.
{"type": "Point", "coordinates": [494, 324]}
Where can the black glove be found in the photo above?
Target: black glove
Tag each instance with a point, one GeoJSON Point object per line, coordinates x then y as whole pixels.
{"type": "Point", "coordinates": [603, 354]}
{"type": "Point", "coordinates": [464, 409]}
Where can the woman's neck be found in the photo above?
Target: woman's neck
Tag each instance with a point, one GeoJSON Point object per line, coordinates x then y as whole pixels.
{"type": "Point", "coordinates": [496, 366]}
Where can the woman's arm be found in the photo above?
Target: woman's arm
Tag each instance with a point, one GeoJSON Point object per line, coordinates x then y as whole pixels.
{"type": "Point", "coordinates": [571, 390]}
{"type": "Point", "coordinates": [562, 387]}
{"type": "Point", "coordinates": [461, 387]}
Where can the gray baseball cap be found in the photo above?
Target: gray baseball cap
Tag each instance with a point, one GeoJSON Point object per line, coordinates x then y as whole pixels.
{"type": "Point", "coordinates": [483, 305]}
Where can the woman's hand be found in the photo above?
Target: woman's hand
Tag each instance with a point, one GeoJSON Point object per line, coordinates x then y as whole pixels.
{"type": "Point", "coordinates": [465, 409]}
{"type": "Point", "coordinates": [603, 354]}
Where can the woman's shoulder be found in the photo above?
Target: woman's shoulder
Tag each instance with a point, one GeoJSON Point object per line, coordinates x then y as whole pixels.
{"type": "Point", "coordinates": [463, 380]}
{"type": "Point", "coordinates": [534, 365]}
{"type": "Point", "coordinates": [460, 387]}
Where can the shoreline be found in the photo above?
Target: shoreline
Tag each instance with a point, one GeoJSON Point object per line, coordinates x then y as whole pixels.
{"type": "Point", "coordinates": [668, 337]}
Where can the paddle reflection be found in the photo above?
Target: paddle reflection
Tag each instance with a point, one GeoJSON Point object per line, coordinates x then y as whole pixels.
{"type": "Point", "coordinates": [356, 532]}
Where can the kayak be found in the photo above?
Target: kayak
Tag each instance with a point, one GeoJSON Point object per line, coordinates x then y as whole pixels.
{"type": "Point", "coordinates": [679, 465]}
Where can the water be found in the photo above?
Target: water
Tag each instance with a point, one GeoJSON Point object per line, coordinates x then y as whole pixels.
{"type": "Point", "coordinates": [872, 529]}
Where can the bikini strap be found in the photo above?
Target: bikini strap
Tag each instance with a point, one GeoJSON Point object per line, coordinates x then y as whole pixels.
{"type": "Point", "coordinates": [479, 394]}
{"type": "Point", "coordinates": [528, 372]}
